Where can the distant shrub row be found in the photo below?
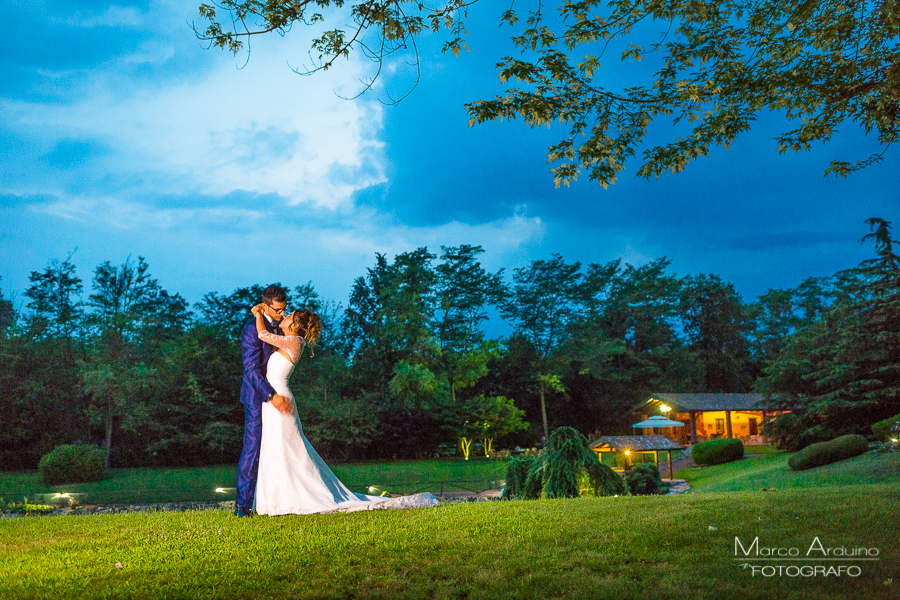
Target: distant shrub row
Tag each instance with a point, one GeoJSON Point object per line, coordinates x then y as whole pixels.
{"type": "Point", "coordinates": [717, 452]}
{"type": "Point", "coordinates": [73, 464]}
{"type": "Point", "coordinates": [824, 453]}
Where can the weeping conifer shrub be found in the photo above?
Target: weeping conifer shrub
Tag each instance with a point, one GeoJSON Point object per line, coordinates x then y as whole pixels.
{"type": "Point", "coordinates": [562, 469]}
{"type": "Point", "coordinates": [517, 469]}
{"type": "Point", "coordinates": [604, 481]}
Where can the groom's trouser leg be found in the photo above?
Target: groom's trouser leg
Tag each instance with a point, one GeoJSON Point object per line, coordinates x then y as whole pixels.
{"type": "Point", "coordinates": [248, 465]}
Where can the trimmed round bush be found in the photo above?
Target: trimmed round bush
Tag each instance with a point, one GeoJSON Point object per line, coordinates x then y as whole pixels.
{"type": "Point", "coordinates": [825, 453]}
{"type": "Point", "coordinates": [73, 464]}
{"type": "Point", "coordinates": [643, 479]}
{"type": "Point", "coordinates": [717, 452]}
{"type": "Point", "coordinates": [882, 429]}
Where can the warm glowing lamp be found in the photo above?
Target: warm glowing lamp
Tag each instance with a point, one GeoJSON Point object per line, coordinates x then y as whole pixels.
{"type": "Point", "coordinates": [65, 499]}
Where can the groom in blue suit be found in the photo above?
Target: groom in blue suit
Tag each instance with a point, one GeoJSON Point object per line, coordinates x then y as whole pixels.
{"type": "Point", "coordinates": [254, 391]}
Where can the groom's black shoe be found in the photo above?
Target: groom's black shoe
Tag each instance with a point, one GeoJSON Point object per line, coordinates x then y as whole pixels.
{"type": "Point", "coordinates": [242, 511]}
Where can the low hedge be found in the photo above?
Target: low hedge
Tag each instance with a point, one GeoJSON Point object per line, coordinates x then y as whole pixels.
{"type": "Point", "coordinates": [73, 464]}
{"type": "Point", "coordinates": [882, 429]}
{"type": "Point", "coordinates": [825, 453]}
{"type": "Point", "coordinates": [717, 452]}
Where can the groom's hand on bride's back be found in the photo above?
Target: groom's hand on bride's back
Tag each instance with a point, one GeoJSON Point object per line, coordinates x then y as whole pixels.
{"type": "Point", "coordinates": [282, 403]}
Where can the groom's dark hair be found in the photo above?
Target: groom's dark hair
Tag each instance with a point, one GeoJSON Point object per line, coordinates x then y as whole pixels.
{"type": "Point", "coordinates": [274, 293]}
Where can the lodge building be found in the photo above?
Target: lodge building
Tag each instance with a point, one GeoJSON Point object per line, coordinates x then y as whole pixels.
{"type": "Point", "coordinates": [710, 416]}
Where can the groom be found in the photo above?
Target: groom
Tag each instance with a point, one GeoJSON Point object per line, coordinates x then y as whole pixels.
{"type": "Point", "coordinates": [254, 391]}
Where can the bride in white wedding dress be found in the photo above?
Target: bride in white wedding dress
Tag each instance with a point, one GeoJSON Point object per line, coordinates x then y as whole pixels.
{"type": "Point", "coordinates": [293, 479]}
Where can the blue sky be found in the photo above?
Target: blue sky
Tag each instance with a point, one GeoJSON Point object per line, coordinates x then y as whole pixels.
{"type": "Point", "coordinates": [121, 135]}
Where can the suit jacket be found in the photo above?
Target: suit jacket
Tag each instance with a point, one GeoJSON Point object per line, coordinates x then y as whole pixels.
{"type": "Point", "coordinates": [255, 355]}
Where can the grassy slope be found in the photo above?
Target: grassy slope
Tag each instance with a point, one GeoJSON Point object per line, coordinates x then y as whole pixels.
{"type": "Point", "coordinates": [199, 484]}
{"type": "Point", "coordinates": [617, 548]}
{"type": "Point", "coordinates": [761, 449]}
{"type": "Point", "coordinates": [772, 471]}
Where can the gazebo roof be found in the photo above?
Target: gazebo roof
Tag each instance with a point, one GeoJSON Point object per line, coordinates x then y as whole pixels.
{"type": "Point", "coordinates": [657, 422]}
{"type": "Point", "coordinates": [701, 402]}
{"type": "Point", "coordinates": [636, 443]}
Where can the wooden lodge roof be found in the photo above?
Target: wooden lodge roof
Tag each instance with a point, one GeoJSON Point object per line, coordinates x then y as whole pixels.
{"type": "Point", "coordinates": [635, 443]}
{"type": "Point", "coordinates": [705, 402]}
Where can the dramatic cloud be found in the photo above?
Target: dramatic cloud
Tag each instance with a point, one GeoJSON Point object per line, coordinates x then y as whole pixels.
{"type": "Point", "coordinates": [257, 129]}
{"type": "Point", "coordinates": [122, 127]}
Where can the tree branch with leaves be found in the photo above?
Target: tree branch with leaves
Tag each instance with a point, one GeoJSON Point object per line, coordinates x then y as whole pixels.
{"type": "Point", "coordinates": [714, 68]}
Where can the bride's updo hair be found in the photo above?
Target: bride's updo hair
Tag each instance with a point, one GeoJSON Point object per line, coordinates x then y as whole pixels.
{"type": "Point", "coordinates": [310, 325]}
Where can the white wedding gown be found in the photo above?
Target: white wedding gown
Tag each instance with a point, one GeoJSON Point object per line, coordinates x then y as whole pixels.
{"type": "Point", "coordinates": [293, 479]}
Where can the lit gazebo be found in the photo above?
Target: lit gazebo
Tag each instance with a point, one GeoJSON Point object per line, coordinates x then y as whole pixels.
{"type": "Point", "coordinates": [655, 423]}
{"type": "Point", "coordinates": [630, 445]}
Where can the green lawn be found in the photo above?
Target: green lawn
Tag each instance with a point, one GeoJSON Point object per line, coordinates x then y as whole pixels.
{"type": "Point", "coordinates": [761, 449]}
{"type": "Point", "coordinates": [752, 473]}
{"type": "Point", "coordinates": [661, 547]}
{"type": "Point", "coordinates": [199, 484]}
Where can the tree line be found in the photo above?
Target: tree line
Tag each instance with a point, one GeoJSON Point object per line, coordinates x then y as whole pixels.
{"type": "Point", "coordinates": [407, 369]}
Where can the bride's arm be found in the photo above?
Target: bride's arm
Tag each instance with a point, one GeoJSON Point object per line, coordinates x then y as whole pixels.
{"type": "Point", "coordinates": [284, 342]}
{"type": "Point", "coordinates": [258, 313]}
{"type": "Point", "coordinates": [290, 343]}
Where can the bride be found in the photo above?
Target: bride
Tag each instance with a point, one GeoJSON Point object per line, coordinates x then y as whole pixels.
{"type": "Point", "coordinates": [293, 478]}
